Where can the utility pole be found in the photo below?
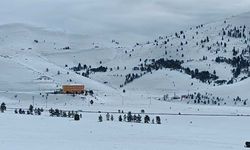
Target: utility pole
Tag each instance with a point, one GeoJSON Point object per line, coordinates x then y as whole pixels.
{"type": "Point", "coordinates": [122, 100]}
{"type": "Point", "coordinates": [33, 100]}
{"type": "Point", "coordinates": [46, 102]}
{"type": "Point", "coordinates": [149, 102]}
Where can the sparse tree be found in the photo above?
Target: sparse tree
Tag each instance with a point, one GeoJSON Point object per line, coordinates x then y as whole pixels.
{"type": "Point", "coordinates": [146, 119]}
{"type": "Point", "coordinates": [3, 107]}
{"type": "Point", "coordinates": [31, 108]}
{"type": "Point", "coordinates": [158, 120]}
{"type": "Point", "coordinates": [120, 118]}
{"type": "Point", "coordinates": [100, 118]}
{"type": "Point", "coordinates": [107, 116]}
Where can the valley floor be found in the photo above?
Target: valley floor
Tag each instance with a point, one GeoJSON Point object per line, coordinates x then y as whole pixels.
{"type": "Point", "coordinates": [176, 132]}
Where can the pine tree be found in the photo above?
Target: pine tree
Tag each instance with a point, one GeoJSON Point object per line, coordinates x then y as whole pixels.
{"type": "Point", "coordinates": [139, 118]}
{"type": "Point", "coordinates": [31, 108]}
{"type": "Point", "coordinates": [3, 107]}
{"type": "Point", "coordinates": [100, 118]}
{"type": "Point", "coordinates": [120, 118]}
{"type": "Point", "coordinates": [129, 117]}
{"type": "Point", "coordinates": [158, 120]}
{"type": "Point", "coordinates": [146, 119]}
{"type": "Point", "coordinates": [124, 117]}
{"type": "Point", "coordinates": [76, 117]}
{"type": "Point", "coordinates": [107, 116]}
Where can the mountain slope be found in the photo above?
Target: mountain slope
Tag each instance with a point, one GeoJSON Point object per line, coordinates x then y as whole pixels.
{"type": "Point", "coordinates": [208, 58]}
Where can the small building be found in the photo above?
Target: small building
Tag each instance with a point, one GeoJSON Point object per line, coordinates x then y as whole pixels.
{"type": "Point", "coordinates": [175, 97]}
{"type": "Point", "coordinates": [44, 78]}
{"type": "Point", "coordinates": [73, 89]}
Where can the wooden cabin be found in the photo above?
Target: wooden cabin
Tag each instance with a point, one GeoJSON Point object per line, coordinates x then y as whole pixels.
{"type": "Point", "coordinates": [73, 89]}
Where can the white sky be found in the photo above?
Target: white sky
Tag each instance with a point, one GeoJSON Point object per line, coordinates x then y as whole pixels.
{"type": "Point", "coordinates": [134, 19]}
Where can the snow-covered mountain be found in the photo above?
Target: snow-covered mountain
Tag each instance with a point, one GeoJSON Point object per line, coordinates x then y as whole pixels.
{"type": "Point", "coordinates": [213, 58]}
{"type": "Point", "coordinates": [196, 80]}
{"type": "Point", "coordinates": [125, 21]}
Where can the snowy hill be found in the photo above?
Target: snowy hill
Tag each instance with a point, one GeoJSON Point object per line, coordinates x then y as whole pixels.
{"type": "Point", "coordinates": [26, 70]}
{"type": "Point", "coordinates": [196, 80]}
{"type": "Point", "coordinates": [205, 53]}
{"type": "Point", "coordinates": [219, 52]}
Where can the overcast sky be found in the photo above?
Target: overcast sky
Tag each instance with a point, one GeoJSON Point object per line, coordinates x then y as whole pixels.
{"type": "Point", "coordinates": [136, 18]}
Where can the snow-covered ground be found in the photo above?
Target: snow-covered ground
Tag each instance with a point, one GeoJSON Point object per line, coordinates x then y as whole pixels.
{"type": "Point", "coordinates": [226, 132]}
{"type": "Point", "coordinates": [175, 132]}
{"type": "Point", "coordinates": [36, 61]}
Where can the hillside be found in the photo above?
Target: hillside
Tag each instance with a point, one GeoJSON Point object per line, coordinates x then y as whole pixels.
{"type": "Point", "coordinates": [214, 57]}
{"type": "Point", "coordinates": [205, 58]}
{"type": "Point", "coordinates": [185, 90]}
